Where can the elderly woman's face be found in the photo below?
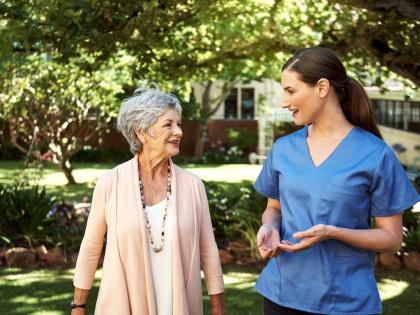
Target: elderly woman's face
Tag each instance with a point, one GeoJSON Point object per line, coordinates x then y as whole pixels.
{"type": "Point", "coordinates": [165, 134]}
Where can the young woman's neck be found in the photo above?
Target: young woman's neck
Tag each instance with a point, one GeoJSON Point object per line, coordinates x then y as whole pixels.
{"type": "Point", "coordinates": [331, 122]}
{"type": "Point", "coordinates": [152, 166]}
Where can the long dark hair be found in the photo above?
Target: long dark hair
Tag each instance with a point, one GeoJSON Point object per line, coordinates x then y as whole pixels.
{"type": "Point", "coordinates": [315, 63]}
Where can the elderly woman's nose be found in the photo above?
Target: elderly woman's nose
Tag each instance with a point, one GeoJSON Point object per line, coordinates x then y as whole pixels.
{"type": "Point", "coordinates": [177, 130]}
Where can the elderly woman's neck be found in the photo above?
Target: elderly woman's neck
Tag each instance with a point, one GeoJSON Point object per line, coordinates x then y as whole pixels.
{"type": "Point", "coordinates": [152, 167]}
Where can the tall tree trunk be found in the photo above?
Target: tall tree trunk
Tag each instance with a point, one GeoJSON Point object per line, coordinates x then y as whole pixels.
{"type": "Point", "coordinates": [67, 170]}
{"type": "Point", "coordinates": [199, 141]}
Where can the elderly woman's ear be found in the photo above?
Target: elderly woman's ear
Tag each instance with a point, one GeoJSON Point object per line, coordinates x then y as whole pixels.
{"type": "Point", "coordinates": [140, 135]}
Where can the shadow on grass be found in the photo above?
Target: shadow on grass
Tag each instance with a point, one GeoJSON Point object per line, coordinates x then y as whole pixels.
{"type": "Point", "coordinates": [239, 301]}
{"type": "Point", "coordinates": [28, 291]}
{"type": "Point", "coordinates": [406, 302]}
{"type": "Point", "coordinates": [50, 291]}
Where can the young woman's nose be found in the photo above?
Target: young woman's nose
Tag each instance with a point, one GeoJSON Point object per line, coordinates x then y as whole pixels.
{"type": "Point", "coordinates": [284, 103]}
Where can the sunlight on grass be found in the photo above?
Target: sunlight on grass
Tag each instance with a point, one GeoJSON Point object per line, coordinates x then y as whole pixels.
{"type": "Point", "coordinates": [86, 174]}
{"type": "Point", "coordinates": [389, 288]}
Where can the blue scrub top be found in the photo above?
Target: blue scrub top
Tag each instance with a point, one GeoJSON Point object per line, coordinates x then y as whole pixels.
{"type": "Point", "coordinates": [361, 178]}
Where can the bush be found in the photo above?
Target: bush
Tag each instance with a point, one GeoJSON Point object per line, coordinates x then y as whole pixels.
{"type": "Point", "coordinates": [411, 231]}
{"type": "Point", "coordinates": [222, 155]}
{"type": "Point", "coordinates": [235, 211]}
{"type": "Point", "coordinates": [242, 138]}
{"type": "Point", "coordinates": [23, 214]}
{"type": "Point", "coordinates": [98, 155]}
{"type": "Point", "coordinates": [69, 226]}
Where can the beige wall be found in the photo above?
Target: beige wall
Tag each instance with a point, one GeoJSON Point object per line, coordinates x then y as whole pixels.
{"type": "Point", "coordinates": [411, 141]}
{"type": "Point", "coordinates": [269, 91]}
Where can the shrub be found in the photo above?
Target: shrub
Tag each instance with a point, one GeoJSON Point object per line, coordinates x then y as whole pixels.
{"type": "Point", "coordinates": [411, 231]}
{"type": "Point", "coordinates": [242, 138]}
{"type": "Point", "coordinates": [235, 210]}
{"type": "Point", "coordinates": [23, 214]}
{"type": "Point", "coordinates": [99, 155]}
{"type": "Point", "coordinates": [69, 226]}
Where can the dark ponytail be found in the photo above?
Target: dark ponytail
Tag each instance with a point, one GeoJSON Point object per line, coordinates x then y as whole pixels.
{"type": "Point", "coordinates": [358, 109]}
{"type": "Point", "coordinates": [315, 63]}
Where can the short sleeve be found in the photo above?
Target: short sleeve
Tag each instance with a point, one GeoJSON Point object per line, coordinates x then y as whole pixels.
{"type": "Point", "coordinates": [267, 183]}
{"type": "Point", "coordinates": [391, 190]}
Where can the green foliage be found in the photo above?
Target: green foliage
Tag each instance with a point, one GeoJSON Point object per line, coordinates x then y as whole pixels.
{"type": "Point", "coordinates": [244, 139]}
{"type": "Point", "coordinates": [411, 231]}
{"type": "Point", "coordinates": [69, 226]}
{"type": "Point", "coordinates": [236, 211]}
{"type": "Point", "coordinates": [53, 109]}
{"type": "Point", "coordinates": [23, 214]}
{"type": "Point", "coordinates": [100, 155]}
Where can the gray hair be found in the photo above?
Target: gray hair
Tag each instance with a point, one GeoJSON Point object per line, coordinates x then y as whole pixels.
{"type": "Point", "coordinates": [141, 111]}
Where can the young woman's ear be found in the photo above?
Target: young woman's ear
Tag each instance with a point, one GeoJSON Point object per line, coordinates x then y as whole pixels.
{"type": "Point", "coordinates": [323, 87]}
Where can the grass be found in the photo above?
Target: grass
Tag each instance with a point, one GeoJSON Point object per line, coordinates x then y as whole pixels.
{"type": "Point", "coordinates": [50, 291]}
{"type": "Point", "coordinates": [86, 175]}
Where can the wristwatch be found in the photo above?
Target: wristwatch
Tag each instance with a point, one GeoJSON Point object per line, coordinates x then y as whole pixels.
{"type": "Point", "coordinates": [74, 305]}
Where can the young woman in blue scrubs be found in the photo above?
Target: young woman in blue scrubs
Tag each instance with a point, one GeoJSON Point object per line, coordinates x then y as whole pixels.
{"type": "Point", "coordinates": [323, 184]}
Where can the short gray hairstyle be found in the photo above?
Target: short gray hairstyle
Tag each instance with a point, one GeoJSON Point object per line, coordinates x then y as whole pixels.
{"type": "Point", "coordinates": [141, 111]}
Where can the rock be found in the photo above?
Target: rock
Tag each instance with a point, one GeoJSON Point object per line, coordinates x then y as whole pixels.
{"type": "Point", "coordinates": [390, 261]}
{"type": "Point", "coordinates": [20, 257]}
{"type": "Point", "coordinates": [2, 253]}
{"type": "Point", "coordinates": [55, 257]}
{"type": "Point", "coordinates": [41, 253]}
{"type": "Point", "coordinates": [239, 249]}
{"type": "Point", "coordinates": [225, 257]}
{"type": "Point", "coordinates": [411, 261]}
{"type": "Point", "coordinates": [248, 261]}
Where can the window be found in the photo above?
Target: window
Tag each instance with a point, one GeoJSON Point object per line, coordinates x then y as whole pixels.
{"type": "Point", "coordinates": [231, 105]}
{"type": "Point", "coordinates": [403, 115]}
{"type": "Point", "coordinates": [247, 106]}
{"type": "Point", "coordinates": [240, 104]}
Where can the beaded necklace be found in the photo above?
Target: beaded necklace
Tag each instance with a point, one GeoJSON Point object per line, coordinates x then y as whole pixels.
{"type": "Point", "coordinates": [146, 216]}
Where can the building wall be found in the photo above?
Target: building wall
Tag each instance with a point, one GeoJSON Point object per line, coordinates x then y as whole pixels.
{"type": "Point", "coordinates": [411, 141]}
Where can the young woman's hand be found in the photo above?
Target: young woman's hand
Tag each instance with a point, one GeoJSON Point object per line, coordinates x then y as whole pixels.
{"type": "Point", "coordinates": [310, 237]}
{"type": "Point", "coordinates": [268, 241]}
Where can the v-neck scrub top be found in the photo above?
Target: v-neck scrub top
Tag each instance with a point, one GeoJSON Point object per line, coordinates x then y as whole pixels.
{"type": "Point", "coordinates": [361, 178]}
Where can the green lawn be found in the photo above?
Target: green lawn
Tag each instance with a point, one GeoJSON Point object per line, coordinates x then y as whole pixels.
{"type": "Point", "coordinates": [87, 173]}
{"type": "Point", "coordinates": [50, 291]}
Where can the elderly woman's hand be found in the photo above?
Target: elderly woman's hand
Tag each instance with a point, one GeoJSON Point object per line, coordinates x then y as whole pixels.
{"type": "Point", "coordinates": [217, 302]}
{"type": "Point", "coordinates": [78, 311]}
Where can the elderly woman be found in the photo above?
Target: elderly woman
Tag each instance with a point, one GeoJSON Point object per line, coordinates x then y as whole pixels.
{"type": "Point", "coordinates": [157, 222]}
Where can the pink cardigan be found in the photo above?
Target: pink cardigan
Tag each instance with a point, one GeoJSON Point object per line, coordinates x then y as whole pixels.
{"type": "Point", "coordinates": [126, 285]}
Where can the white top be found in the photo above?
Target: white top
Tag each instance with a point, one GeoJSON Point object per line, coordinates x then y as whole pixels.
{"type": "Point", "coordinates": [161, 262]}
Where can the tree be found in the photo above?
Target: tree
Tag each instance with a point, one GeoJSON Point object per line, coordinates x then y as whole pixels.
{"type": "Point", "coordinates": [54, 109]}
{"type": "Point", "coordinates": [175, 42]}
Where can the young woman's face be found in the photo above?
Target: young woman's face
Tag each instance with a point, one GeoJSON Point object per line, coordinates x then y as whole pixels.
{"type": "Point", "coordinates": [165, 135]}
{"type": "Point", "coordinates": [301, 99]}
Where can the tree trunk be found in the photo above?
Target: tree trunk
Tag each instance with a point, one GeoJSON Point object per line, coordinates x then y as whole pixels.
{"type": "Point", "coordinates": [67, 170]}
{"type": "Point", "coordinates": [199, 142]}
